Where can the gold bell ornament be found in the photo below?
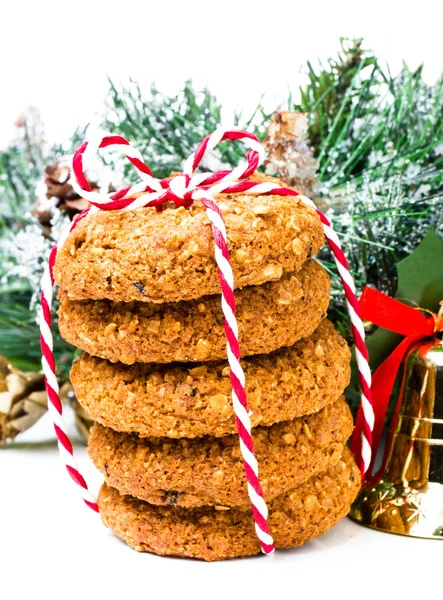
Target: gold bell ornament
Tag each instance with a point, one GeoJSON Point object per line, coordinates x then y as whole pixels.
{"type": "Point", "coordinates": [405, 494]}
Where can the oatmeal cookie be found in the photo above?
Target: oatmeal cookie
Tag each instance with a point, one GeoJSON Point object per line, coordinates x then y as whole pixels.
{"type": "Point", "coordinates": [269, 316]}
{"type": "Point", "coordinates": [168, 256]}
{"type": "Point", "coordinates": [211, 534]}
{"type": "Point", "coordinates": [209, 471]}
{"type": "Point", "coordinates": [188, 400]}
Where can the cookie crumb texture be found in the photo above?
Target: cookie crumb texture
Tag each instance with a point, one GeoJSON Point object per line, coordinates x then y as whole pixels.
{"type": "Point", "coordinates": [269, 316]}
{"type": "Point", "coordinates": [194, 400]}
{"type": "Point", "coordinates": [148, 256]}
{"type": "Point", "coordinates": [209, 471]}
{"type": "Point", "coordinates": [211, 534]}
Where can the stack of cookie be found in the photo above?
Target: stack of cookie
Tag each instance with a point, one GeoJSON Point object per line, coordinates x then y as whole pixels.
{"type": "Point", "coordinates": [140, 296]}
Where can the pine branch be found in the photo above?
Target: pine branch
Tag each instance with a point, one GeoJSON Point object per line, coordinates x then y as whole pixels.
{"type": "Point", "coordinates": [379, 142]}
{"type": "Point", "coordinates": [332, 89]}
{"type": "Point", "coordinates": [19, 334]}
{"type": "Point", "coordinates": [166, 129]}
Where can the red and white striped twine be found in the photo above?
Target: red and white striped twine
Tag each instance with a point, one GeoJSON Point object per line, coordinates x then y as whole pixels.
{"type": "Point", "coordinates": [183, 190]}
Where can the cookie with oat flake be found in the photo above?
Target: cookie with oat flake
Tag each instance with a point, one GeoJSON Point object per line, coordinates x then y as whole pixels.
{"type": "Point", "coordinates": [208, 471]}
{"type": "Point", "coordinates": [168, 256]}
{"type": "Point", "coordinates": [269, 316]}
{"type": "Point", "coordinates": [187, 400]}
{"type": "Point", "coordinates": [212, 533]}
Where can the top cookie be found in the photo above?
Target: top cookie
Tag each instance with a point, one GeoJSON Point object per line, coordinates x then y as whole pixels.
{"type": "Point", "coordinates": [168, 256]}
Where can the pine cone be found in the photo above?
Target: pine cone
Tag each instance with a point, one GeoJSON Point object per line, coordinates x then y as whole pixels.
{"type": "Point", "coordinates": [289, 156]}
{"type": "Point", "coordinates": [56, 180]}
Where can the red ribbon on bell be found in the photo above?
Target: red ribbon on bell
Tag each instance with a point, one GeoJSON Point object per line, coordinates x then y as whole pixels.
{"type": "Point", "coordinates": [417, 327]}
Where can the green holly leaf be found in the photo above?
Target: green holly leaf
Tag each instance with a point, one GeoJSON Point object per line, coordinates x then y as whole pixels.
{"type": "Point", "coordinates": [420, 283]}
{"type": "Point", "coordinates": [420, 275]}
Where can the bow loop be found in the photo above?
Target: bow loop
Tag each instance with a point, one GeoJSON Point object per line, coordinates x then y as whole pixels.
{"type": "Point", "coordinates": [255, 155]}
{"type": "Point", "coordinates": [389, 313]}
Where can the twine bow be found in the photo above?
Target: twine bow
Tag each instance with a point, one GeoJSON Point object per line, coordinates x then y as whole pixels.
{"type": "Point", "coordinates": [183, 190]}
{"type": "Point", "coordinates": [419, 330]}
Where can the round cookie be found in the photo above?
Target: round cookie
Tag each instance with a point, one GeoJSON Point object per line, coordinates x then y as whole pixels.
{"type": "Point", "coordinates": [210, 534]}
{"type": "Point", "coordinates": [167, 256]}
{"type": "Point", "coordinates": [270, 316]}
{"type": "Point", "coordinates": [191, 401]}
{"type": "Point", "coordinates": [209, 471]}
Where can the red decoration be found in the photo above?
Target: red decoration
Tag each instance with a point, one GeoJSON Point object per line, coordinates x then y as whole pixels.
{"type": "Point", "coordinates": [419, 331]}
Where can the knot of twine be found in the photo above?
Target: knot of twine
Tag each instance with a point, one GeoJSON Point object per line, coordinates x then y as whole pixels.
{"type": "Point", "coordinates": [183, 190]}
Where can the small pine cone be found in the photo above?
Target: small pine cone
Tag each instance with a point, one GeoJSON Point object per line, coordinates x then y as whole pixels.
{"type": "Point", "coordinates": [289, 156]}
{"type": "Point", "coordinates": [56, 180]}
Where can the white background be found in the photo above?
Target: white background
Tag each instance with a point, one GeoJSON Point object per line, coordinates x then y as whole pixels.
{"type": "Point", "coordinates": [56, 55]}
